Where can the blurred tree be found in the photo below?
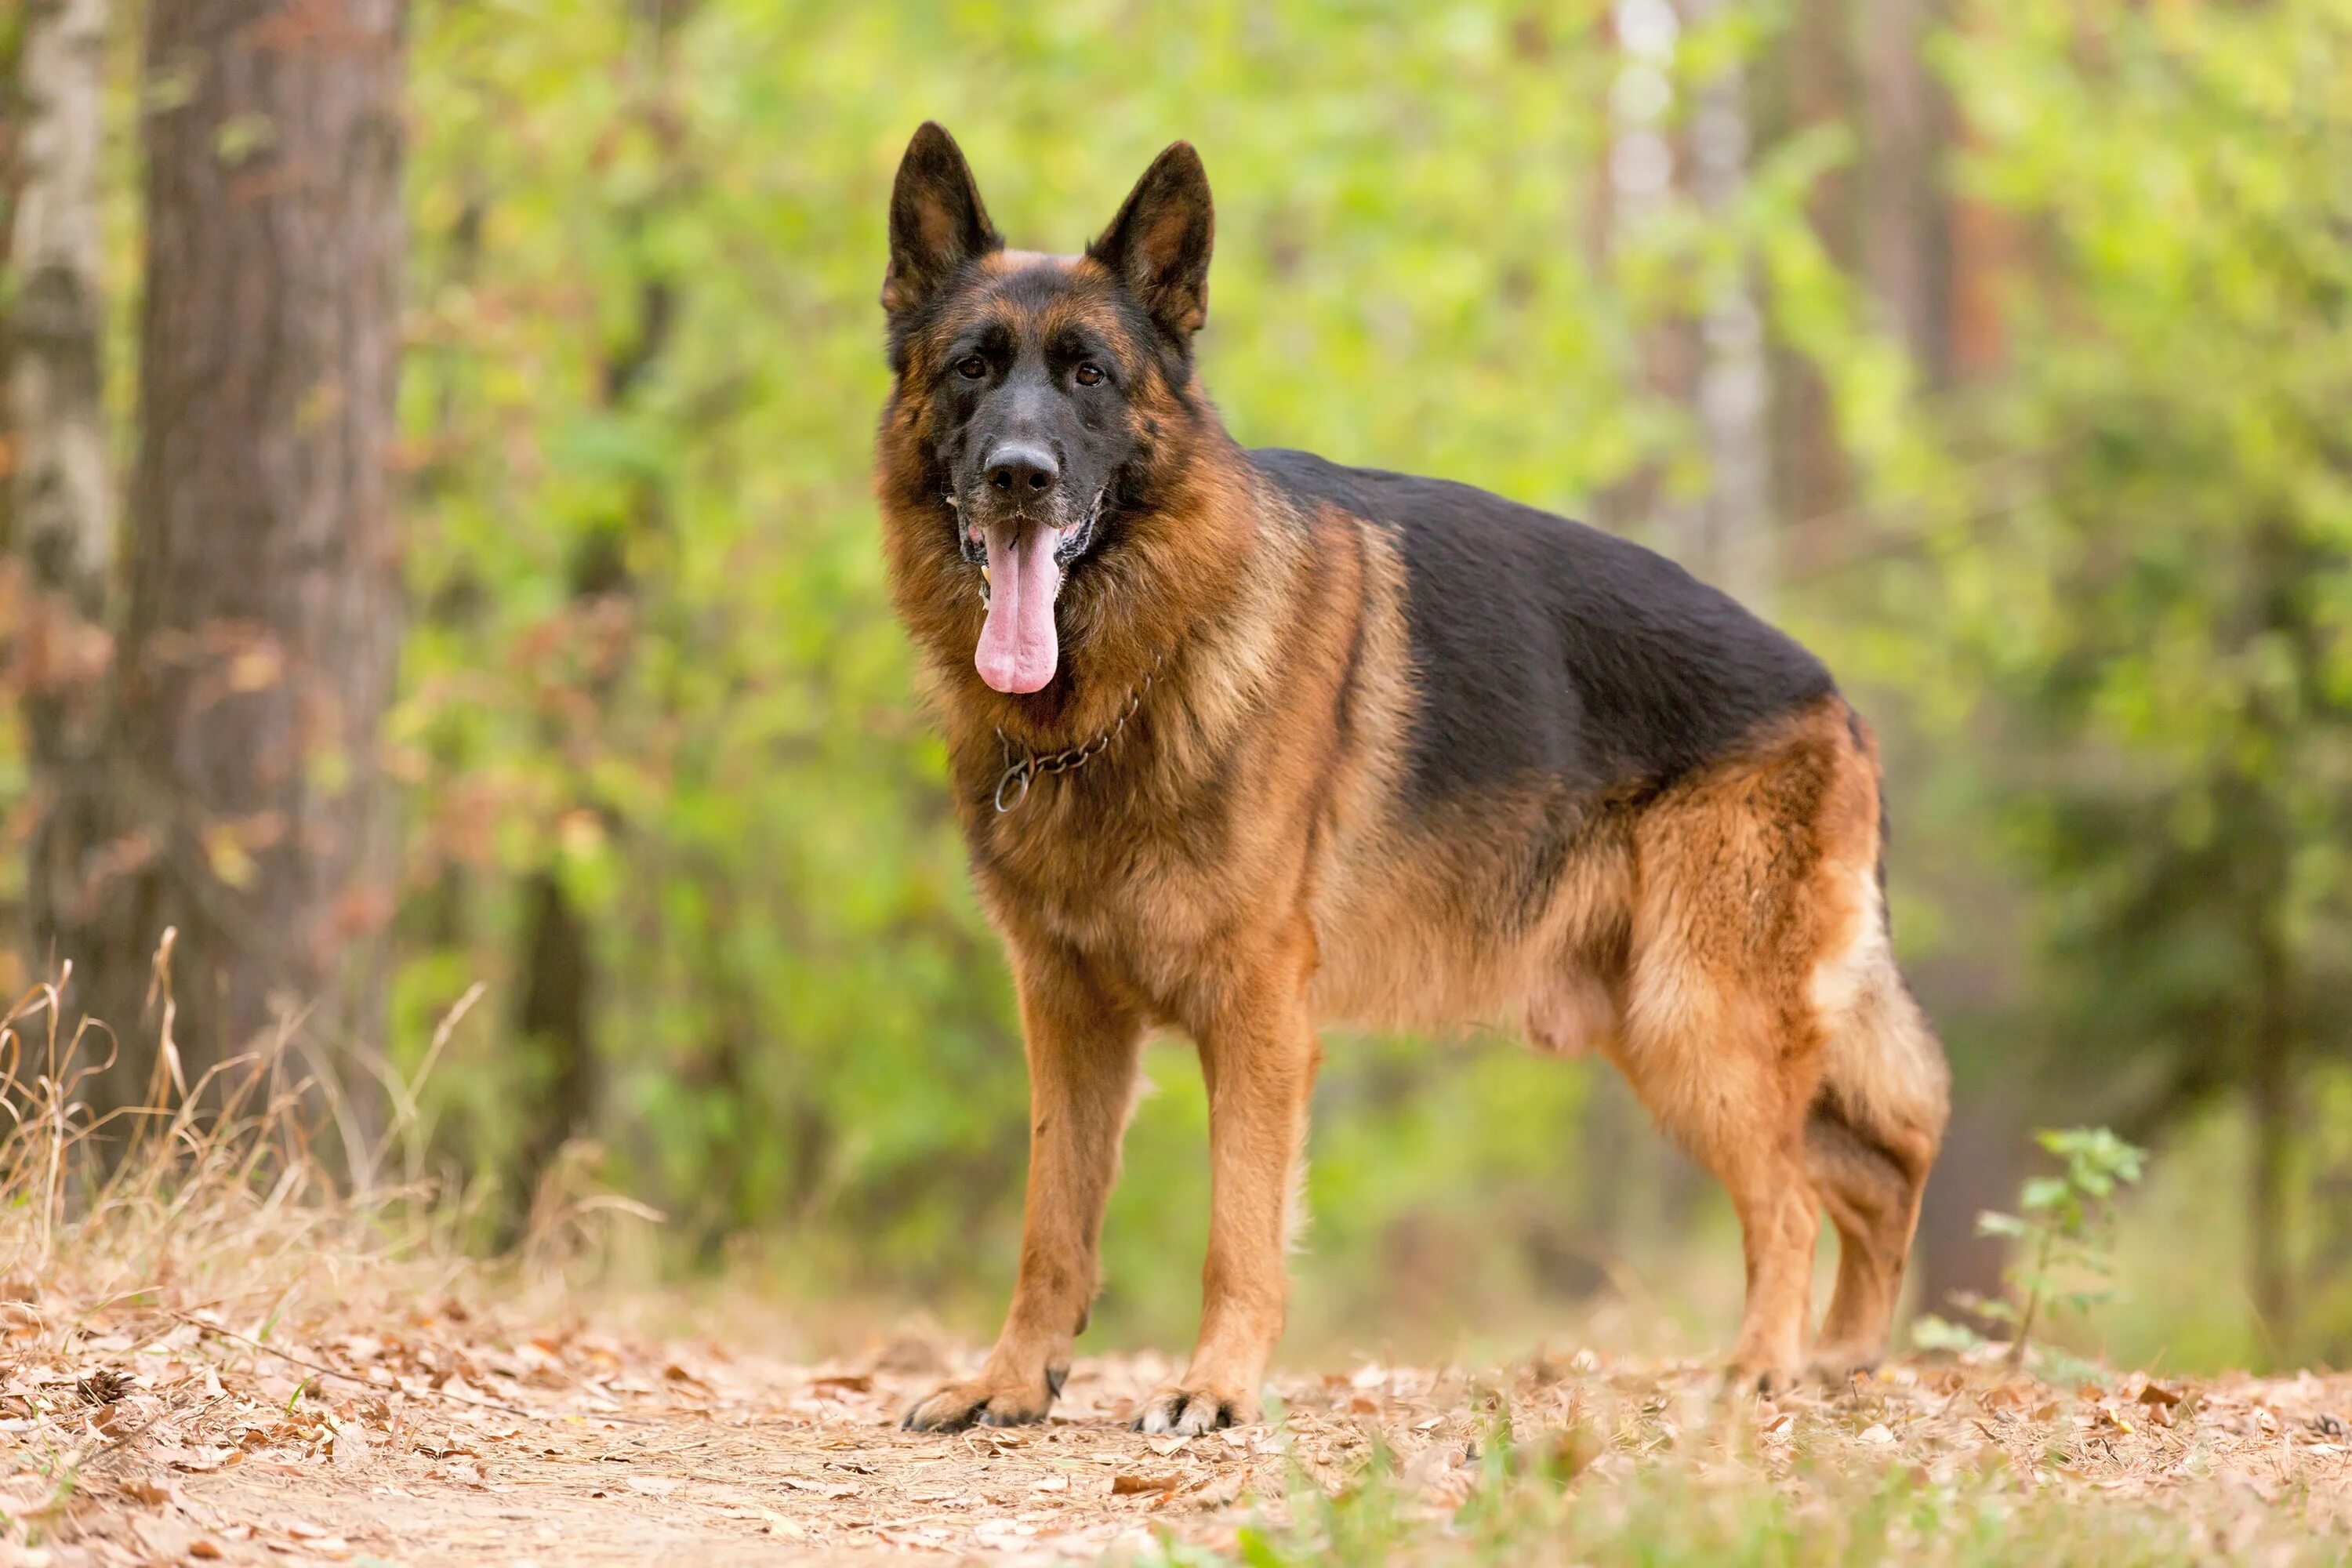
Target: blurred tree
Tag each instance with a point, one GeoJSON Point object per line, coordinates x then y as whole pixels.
{"type": "Point", "coordinates": [12, 133]}
{"type": "Point", "coordinates": [61, 504]}
{"type": "Point", "coordinates": [12, 92]}
{"type": "Point", "coordinates": [258, 642]}
{"type": "Point", "coordinates": [1806, 88]}
{"type": "Point", "coordinates": [2168, 621]}
{"type": "Point", "coordinates": [1731, 537]}
{"type": "Point", "coordinates": [1903, 132]}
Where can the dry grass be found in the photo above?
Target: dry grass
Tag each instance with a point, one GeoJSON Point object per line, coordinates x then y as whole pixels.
{"type": "Point", "coordinates": [225, 1344]}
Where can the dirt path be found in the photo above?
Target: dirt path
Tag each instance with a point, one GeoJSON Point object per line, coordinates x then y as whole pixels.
{"type": "Point", "coordinates": [456, 1441]}
{"type": "Point", "coordinates": [725, 1462]}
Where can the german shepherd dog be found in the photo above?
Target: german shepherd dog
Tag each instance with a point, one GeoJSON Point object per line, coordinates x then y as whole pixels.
{"type": "Point", "coordinates": [1245, 740]}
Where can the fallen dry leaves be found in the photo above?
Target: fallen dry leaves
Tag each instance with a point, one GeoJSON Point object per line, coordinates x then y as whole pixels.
{"type": "Point", "coordinates": [214, 1350]}
{"type": "Point", "coordinates": [453, 1435]}
{"type": "Point", "coordinates": [211, 1351]}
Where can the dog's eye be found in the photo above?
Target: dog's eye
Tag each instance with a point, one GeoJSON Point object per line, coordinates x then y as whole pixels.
{"type": "Point", "coordinates": [971, 367]}
{"type": "Point", "coordinates": [1089, 373]}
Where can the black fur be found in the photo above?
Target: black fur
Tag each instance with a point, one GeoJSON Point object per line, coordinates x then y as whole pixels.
{"type": "Point", "coordinates": [1059, 402]}
{"type": "Point", "coordinates": [939, 225]}
{"type": "Point", "coordinates": [1546, 651]}
{"type": "Point", "coordinates": [998, 385]}
{"type": "Point", "coordinates": [1160, 243]}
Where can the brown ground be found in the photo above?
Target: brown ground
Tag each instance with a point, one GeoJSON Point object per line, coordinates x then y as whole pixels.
{"type": "Point", "coordinates": [451, 1438]}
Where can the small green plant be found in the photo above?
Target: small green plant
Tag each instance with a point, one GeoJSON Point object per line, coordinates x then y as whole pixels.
{"type": "Point", "coordinates": [2064, 1234]}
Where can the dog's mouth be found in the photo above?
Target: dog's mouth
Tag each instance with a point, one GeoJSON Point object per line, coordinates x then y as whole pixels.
{"type": "Point", "coordinates": [1024, 562]}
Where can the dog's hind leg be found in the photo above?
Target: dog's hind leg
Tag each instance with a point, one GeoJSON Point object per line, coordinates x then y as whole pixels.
{"type": "Point", "coordinates": [1766, 1028]}
{"type": "Point", "coordinates": [1716, 1080]}
{"type": "Point", "coordinates": [1871, 1135]}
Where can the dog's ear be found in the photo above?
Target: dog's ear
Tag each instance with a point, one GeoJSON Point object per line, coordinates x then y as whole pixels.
{"type": "Point", "coordinates": [1159, 244]}
{"type": "Point", "coordinates": [937, 222]}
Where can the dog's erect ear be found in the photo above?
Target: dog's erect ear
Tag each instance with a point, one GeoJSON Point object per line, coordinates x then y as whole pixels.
{"type": "Point", "coordinates": [936, 223]}
{"type": "Point", "coordinates": [1159, 244]}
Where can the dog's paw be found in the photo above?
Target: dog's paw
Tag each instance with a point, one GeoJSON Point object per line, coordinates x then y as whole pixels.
{"type": "Point", "coordinates": [1834, 1366]}
{"type": "Point", "coordinates": [953, 1406]}
{"type": "Point", "coordinates": [1745, 1377]}
{"type": "Point", "coordinates": [1187, 1412]}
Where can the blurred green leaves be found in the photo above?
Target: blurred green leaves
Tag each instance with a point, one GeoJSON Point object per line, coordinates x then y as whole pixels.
{"type": "Point", "coordinates": [2103, 575]}
{"type": "Point", "coordinates": [806, 1022]}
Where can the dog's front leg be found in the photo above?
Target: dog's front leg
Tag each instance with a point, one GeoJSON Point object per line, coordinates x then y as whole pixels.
{"type": "Point", "coordinates": [1083, 1044]}
{"type": "Point", "coordinates": [1258, 1053]}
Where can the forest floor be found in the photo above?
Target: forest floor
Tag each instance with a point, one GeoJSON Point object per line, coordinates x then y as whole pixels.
{"type": "Point", "coordinates": [455, 1434]}
{"type": "Point", "coordinates": [218, 1353]}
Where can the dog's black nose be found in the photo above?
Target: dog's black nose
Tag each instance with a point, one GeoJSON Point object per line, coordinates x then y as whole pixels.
{"type": "Point", "coordinates": [1016, 467]}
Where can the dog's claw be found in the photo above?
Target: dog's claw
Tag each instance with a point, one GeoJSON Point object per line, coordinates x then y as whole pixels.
{"type": "Point", "coordinates": [1188, 1413]}
{"type": "Point", "coordinates": [1838, 1366]}
{"type": "Point", "coordinates": [1743, 1378]}
{"type": "Point", "coordinates": [956, 1406]}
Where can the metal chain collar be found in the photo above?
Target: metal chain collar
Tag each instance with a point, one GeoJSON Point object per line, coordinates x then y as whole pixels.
{"type": "Point", "coordinates": [1023, 771]}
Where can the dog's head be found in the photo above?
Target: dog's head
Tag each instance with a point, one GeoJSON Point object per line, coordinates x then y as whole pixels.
{"type": "Point", "coordinates": [1038, 388]}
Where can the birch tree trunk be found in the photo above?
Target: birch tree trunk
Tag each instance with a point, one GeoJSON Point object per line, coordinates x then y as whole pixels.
{"type": "Point", "coordinates": [61, 491]}
{"type": "Point", "coordinates": [1734, 549]}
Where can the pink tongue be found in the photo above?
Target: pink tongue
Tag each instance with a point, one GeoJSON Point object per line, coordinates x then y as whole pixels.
{"type": "Point", "coordinates": [1018, 649]}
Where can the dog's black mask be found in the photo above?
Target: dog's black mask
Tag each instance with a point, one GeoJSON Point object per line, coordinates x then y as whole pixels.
{"type": "Point", "coordinates": [1038, 372]}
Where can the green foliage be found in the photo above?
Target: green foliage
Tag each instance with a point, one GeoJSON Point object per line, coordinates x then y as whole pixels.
{"type": "Point", "coordinates": [2166, 614]}
{"type": "Point", "coordinates": [654, 658]}
{"type": "Point", "coordinates": [2097, 589]}
{"type": "Point", "coordinates": [2162, 616]}
{"type": "Point", "coordinates": [2064, 1236]}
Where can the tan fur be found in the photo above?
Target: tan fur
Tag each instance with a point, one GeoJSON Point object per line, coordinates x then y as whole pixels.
{"type": "Point", "coordinates": [1242, 865]}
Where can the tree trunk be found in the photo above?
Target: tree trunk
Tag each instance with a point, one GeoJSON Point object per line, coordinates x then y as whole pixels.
{"type": "Point", "coordinates": [61, 492]}
{"type": "Point", "coordinates": [1809, 466]}
{"type": "Point", "coordinates": [265, 610]}
{"type": "Point", "coordinates": [1982, 1160]}
{"type": "Point", "coordinates": [2271, 1073]}
{"type": "Point", "coordinates": [1906, 237]}
{"type": "Point", "coordinates": [2287, 570]}
{"type": "Point", "coordinates": [1734, 551]}
{"type": "Point", "coordinates": [553, 1019]}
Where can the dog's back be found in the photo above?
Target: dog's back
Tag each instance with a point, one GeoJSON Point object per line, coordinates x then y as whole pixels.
{"type": "Point", "coordinates": [1546, 650]}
